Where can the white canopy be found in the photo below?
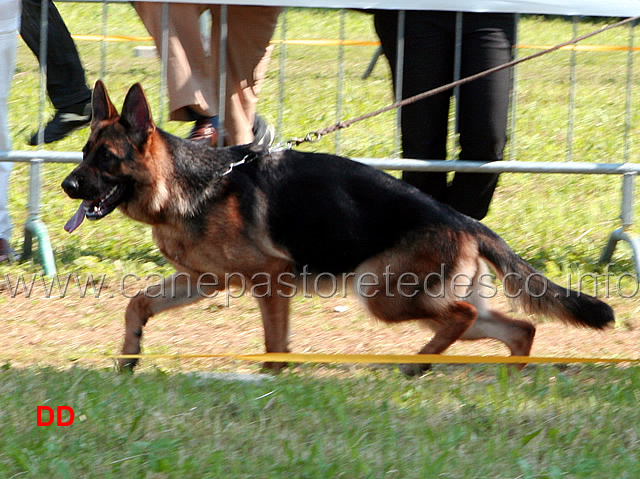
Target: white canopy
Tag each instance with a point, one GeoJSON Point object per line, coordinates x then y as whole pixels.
{"type": "Point", "coordinates": [606, 8]}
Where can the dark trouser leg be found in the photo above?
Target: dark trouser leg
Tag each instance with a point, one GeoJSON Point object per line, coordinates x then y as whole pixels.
{"type": "Point", "coordinates": [483, 110]}
{"type": "Point", "coordinates": [66, 84]}
{"type": "Point", "coordinates": [428, 64]}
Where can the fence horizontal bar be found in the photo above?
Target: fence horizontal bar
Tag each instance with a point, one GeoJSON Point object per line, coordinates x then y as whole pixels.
{"type": "Point", "coordinates": [374, 358]}
{"type": "Point", "coordinates": [567, 167]}
{"type": "Point", "coordinates": [502, 166]}
{"type": "Point", "coordinates": [22, 156]}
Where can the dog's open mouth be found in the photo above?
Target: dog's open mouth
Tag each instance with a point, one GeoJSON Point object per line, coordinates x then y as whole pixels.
{"type": "Point", "coordinates": [96, 209]}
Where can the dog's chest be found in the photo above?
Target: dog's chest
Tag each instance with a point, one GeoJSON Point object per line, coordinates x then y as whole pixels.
{"type": "Point", "coordinates": [194, 253]}
{"type": "Point", "coordinates": [219, 244]}
{"type": "Point", "coordinates": [178, 249]}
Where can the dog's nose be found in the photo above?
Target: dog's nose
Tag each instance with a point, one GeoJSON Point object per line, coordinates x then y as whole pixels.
{"type": "Point", "coordinates": [71, 186]}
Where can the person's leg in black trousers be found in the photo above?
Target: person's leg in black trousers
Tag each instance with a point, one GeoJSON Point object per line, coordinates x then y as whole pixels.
{"type": "Point", "coordinates": [484, 107]}
{"type": "Point", "coordinates": [429, 57]}
{"type": "Point", "coordinates": [66, 84]}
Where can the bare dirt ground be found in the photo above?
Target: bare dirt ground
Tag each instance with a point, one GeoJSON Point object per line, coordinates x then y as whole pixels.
{"type": "Point", "coordinates": [63, 332]}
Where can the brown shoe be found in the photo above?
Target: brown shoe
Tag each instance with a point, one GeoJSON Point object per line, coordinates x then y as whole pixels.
{"type": "Point", "coordinates": [204, 130]}
{"type": "Point", "coordinates": [6, 253]}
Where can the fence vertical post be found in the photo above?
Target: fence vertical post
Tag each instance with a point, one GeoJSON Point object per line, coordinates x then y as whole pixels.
{"type": "Point", "coordinates": [340, 95]}
{"type": "Point", "coordinates": [623, 233]}
{"type": "Point", "coordinates": [103, 43]}
{"type": "Point", "coordinates": [514, 94]}
{"type": "Point", "coordinates": [222, 75]}
{"type": "Point", "coordinates": [399, 82]}
{"type": "Point", "coordinates": [164, 55]}
{"type": "Point", "coordinates": [42, 94]}
{"type": "Point", "coordinates": [572, 93]}
{"type": "Point", "coordinates": [457, 69]}
{"type": "Point", "coordinates": [628, 100]}
{"type": "Point", "coordinates": [34, 226]}
{"type": "Point", "coordinates": [282, 74]}
{"type": "Point", "coordinates": [627, 200]}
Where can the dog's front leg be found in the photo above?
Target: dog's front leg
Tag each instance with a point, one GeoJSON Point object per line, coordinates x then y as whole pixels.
{"type": "Point", "coordinates": [275, 319]}
{"type": "Point", "coordinates": [177, 290]}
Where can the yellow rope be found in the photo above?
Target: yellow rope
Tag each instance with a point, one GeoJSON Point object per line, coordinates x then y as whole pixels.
{"type": "Point", "coordinates": [366, 43]}
{"type": "Point", "coordinates": [374, 358]}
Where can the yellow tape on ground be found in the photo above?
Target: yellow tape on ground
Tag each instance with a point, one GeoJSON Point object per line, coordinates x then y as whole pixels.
{"type": "Point", "coordinates": [375, 358]}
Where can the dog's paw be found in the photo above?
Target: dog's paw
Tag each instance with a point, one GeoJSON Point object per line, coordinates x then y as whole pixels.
{"type": "Point", "coordinates": [414, 369]}
{"type": "Point", "coordinates": [126, 365]}
{"type": "Point", "coordinates": [273, 367]}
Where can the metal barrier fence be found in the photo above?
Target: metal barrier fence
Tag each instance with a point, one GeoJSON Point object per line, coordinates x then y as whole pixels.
{"type": "Point", "coordinates": [34, 227]}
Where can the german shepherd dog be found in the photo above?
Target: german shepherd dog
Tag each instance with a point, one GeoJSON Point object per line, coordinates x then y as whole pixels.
{"type": "Point", "coordinates": [282, 214]}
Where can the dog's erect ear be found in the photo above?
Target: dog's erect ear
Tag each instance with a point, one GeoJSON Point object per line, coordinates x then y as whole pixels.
{"type": "Point", "coordinates": [103, 109]}
{"type": "Point", "coordinates": [136, 114]}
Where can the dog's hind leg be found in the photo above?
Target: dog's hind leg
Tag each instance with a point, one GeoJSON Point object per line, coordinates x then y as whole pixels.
{"type": "Point", "coordinates": [516, 334]}
{"type": "Point", "coordinates": [275, 319]}
{"type": "Point", "coordinates": [449, 326]}
{"type": "Point", "coordinates": [423, 294]}
{"type": "Point", "coordinates": [174, 291]}
{"type": "Point", "coordinates": [491, 324]}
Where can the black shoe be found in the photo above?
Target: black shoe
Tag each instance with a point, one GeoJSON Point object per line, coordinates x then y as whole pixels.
{"type": "Point", "coordinates": [65, 121]}
{"type": "Point", "coordinates": [263, 133]}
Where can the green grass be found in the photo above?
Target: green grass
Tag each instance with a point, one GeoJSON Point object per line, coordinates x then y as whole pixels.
{"type": "Point", "coordinates": [459, 424]}
{"type": "Point", "coordinates": [462, 423]}
{"type": "Point", "coordinates": [330, 421]}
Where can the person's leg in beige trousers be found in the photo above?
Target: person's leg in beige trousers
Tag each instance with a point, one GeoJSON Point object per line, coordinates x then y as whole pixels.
{"type": "Point", "coordinates": [192, 75]}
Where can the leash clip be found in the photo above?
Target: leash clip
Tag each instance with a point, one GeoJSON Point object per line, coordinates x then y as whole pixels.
{"type": "Point", "coordinates": [311, 137]}
{"type": "Point", "coordinates": [233, 165]}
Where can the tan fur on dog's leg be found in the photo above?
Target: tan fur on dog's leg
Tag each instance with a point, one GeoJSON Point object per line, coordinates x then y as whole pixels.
{"type": "Point", "coordinates": [275, 318]}
{"type": "Point", "coordinates": [449, 327]}
{"type": "Point", "coordinates": [136, 316]}
{"type": "Point", "coordinates": [174, 291]}
{"type": "Point", "coordinates": [516, 334]}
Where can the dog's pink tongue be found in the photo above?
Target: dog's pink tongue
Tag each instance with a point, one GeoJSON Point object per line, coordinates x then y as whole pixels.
{"type": "Point", "coordinates": [76, 219]}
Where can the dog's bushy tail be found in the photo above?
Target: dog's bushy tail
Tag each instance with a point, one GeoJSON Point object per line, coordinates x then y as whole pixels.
{"type": "Point", "coordinates": [536, 294]}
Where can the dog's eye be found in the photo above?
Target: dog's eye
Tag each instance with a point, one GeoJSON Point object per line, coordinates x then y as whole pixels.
{"type": "Point", "coordinates": [110, 161]}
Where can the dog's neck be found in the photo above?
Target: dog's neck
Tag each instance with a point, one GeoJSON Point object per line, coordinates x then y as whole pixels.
{"type": "Point", "coordinates": [199, 173]}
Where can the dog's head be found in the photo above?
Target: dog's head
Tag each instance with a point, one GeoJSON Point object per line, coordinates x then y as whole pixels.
{"type": "Point", "coordinates": [113, 167]}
